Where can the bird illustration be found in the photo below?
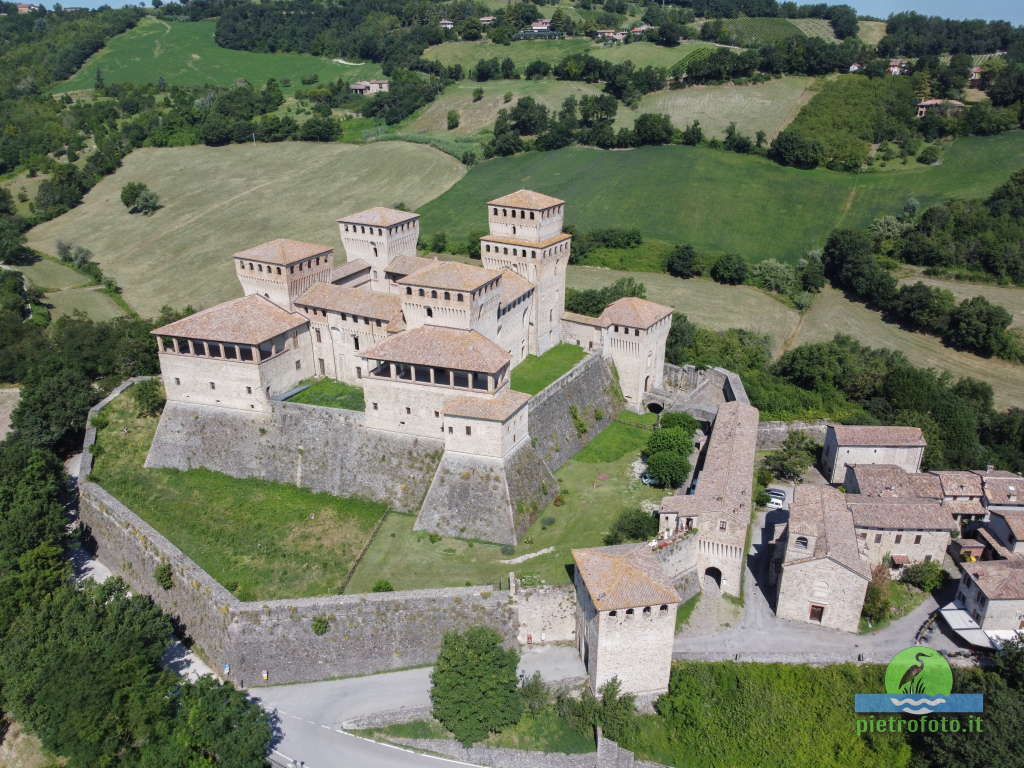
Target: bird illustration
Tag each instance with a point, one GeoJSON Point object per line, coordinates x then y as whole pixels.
{"type": "Point", "coordinates": [910, 675]}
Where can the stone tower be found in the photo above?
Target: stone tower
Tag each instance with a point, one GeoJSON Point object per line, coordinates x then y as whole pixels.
{"type": "Point", "coordinates": [378, 236]}
{"type": "Point", "coordinates": [526, 237]}
{"type": "Point", "coordinates": [282, 270]}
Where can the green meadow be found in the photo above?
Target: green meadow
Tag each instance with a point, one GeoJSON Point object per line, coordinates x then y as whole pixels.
{"type": "Point", "coordinates": [522, 52]}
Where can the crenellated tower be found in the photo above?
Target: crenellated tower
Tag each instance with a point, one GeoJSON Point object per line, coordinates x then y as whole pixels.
{"type": "Point", "coordinates": [378, 236]}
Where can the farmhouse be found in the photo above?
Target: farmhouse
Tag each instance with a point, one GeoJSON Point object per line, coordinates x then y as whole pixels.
{"type": "Point", "coordinates": [943, 106]}
{"type": "Point", "coordinates": [487, 20]}
{"type": "Point", "coordinates": [446, 24]}
{"type": "Point", "coordinates": [368, 87]}
{"type": "Point", "coordinates": [850, 445]}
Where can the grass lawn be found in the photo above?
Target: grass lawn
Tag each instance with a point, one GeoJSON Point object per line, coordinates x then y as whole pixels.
{"type": "Point", "coordinates": [535, 373]}
{"type": "Point", "coordinates": [261, 540]}
{"type": "Point", "coordinates": [767, 107]}
{"type": "Point", "coordinates": [903, 598]}
{"type": "Point", "coordinates": [50, 275]}
{"type": "Point", "coordinates": [184, 53]}
{"type": "Point", "coordinates": [649, 256]}
{"type": "Point", "coordinates": [219, 200]}
{"type": "Point", "coordinates": [595, 487]}
{"type": "Point", "coordinates": [685, 611]}
{"type": "Point", "coordinates": [332, 394]}
{"type": "Point", "coordinates": [91, 300]}
{"type": "Point", "coordinates": [522, 52]}
{"type": "Point", "coordinates": [720, 201]}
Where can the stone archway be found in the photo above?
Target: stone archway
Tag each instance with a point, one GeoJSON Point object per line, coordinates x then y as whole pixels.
{"type": "Point", "coordinates": [713, 576]}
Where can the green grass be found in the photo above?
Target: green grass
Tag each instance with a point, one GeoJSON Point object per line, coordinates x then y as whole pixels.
{"type": "Point", "coordinates": [685, 611]}
{"type": "Point", "coordinates": [767, 107]}
{"type": "Point", "coordinates": [219, 200]}
{"type": "Point", "coordinates": [92, 301]}
{"type": "Point", "coordinates": [903, 598]}
{"type": "Point", "coordinates": [595, 487]}
{"type": "Point", "coordinates": [522, 52]}
{"type": "Point", "coordinates": [815, 28]}
{"type": "Point", "coordinates": [50, 275]}
{"type": "Point", "coordinates": [535, 373]}
{"type": "Point", "coordinates": [184, 53]}
{"type": "Point", "coordinates": [753, 32]}
{"type": "Point", "coordinates": [871, 32]}
{"type": "Point", "coordinates": [332, 394]}
{"type": "Point", "coordinates": [649, 256]}
{"type": "Point", "coordinates": [720, 201]}
{"type": "Point", "coordinates": [261, 540]}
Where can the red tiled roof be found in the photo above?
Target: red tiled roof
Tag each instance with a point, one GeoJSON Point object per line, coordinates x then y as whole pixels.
{"type": "Point", "coordinates": [249, 320]}
{"type": "Point", "coordinates": [623, 576]}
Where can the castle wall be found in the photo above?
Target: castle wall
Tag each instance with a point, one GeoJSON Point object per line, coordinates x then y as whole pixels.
{"type": "Point", "coordinates": [679, 561]}
{"type": "Point", "coordinates": [772, 434]}
{"type": "Point", "coordinates": [237, 383]}
{"type": "Point", "coordinates": [323, 449]}
{"type": "Point", "coordinates": [546, 614]}
{"type": "Point", "coordinates": [636, 647]}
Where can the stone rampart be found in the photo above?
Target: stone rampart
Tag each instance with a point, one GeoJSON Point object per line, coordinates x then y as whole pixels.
{"type": "Point", "coordinates": [323, 449]}
{"type": "Point", "coordinates": [546, 614]}
{"type": "Point", "coordinates": [679, 561]}
{"type": "Point", "coordinates": [772, 434]}
{"type": "Point", "coordinates": [586, 398]}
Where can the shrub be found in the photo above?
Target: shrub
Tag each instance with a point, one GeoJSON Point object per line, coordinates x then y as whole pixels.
{"type": "Point", "coordinates": [675, 439]}
{"type": "Point", "coordinates": [682, 262]}
{"type": "Point", "coordinates": [547, 522]}
{"type": "Point", "coordinates": [632, 525]}
{"type": "Point", "coordinates": [149, 397]}
{"type": "Point", "coordinates": [439, 242]}
{"type": "Point", "coordinates": [534, 694]}
{"type": "Point", "coordinates": [478, 93]}
{"type": "Point", "coordinates": [383, 585]}
{"type": "Point", "coordinates": [795, 456]}
{"type": "Point", "coordinates": [453, 119]}
{"type": "Point", "coordinates": [320, 625]}
{"type": "Point", "coordinates": [507, 549]}
{"type": "Point", "coordinates": [100, 421]}
{"type": "Point", "coordinates": [668, 468]}
{"type": "Point", "coordinates": [680, 420]}
{"type": "Point", "coordinates": [138, 198]}
{"type": "Point", "coordinates": [928, 576]}
{"type": "Point", "coordinates": [729, 269]}
{"type": "Point", "coordinates": [929, 155]}
{"type": "Point", "coordinates": [577, 421]}
{"type": "Point", "coordinates": [164, 575]}
{"type": "Point", "coordinates": [876, 599]}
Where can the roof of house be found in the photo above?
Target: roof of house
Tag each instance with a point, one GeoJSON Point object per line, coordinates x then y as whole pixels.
{"type": "Point", "coordinates": [504, 240]}
{"type": "Point", "coordinates": [634, 312]}
{"type": "Point", "coordinates": [971, 507]}
{"type": "Point", "coordinates": [998, 579]}
{"type": "Point", "coordinates": [248, 320]}
{"type": "Point", "coordinates": [282, 251]}
{"type": "Point", "coordinates": [348, 269]}
{"type": "Point", "coordinates": [513, 286]}
{"type": "Point", "coordinates": [1014, 521]}
{"type": "Point", "coordinates": [572, 317]}
{"type": "Point", "coordinates": [681, 504]}
{"type": "Point", "coordinates": [958, 483]}
{"type": "Point", "coordinates": [379, 217]}
{"type": "Point", "coordinates": [890, 480]}
{"type": "Point", "coordinates": [442, 347]}
{"type": "Point", "coordinates": [934, 102]}
{"type": "Point", "coordinates": [1004, 490]}
{"type": "Point", "coordinates": [822, 512]}
{"type": "Point", "coordinates": [498, 408]}
{"type": "Point", "coordinates": [406, 265]}
{"type": "Point", "coordinates": [901, 514]}
{"type": "Point", "coordinates": [452, 275]}
{"type": "Point", "coordinates": [903, 437]}
{"type": "Point", "coordinates": [527, 198]}
{"type": "Point", "coordinates": [356, 301]}
{"type": "Point", "coordinates": [623, 576]}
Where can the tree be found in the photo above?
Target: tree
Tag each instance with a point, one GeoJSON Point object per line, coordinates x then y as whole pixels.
{"type": "Point", "coordinates": [439, 244]}
{"type": "Point", "coordinates": [812, 273]}
{"type": "Point", "coordinates": [147, 203]}
{"type": "Point", "coordinates": [682, 262]}
{"type": "Point", "coordinates": [650, 129]}
{"type": "Point", "coordinates": [729, 269]}
{"type": "Point", "coordinates": [148, 396]}
{"type": "Point", "coordinates": [12, 242]}
{"type": "Point", "coordinates": [138, 198]}
{"type": "Point", "coordinates": [877, 605]}
{"type": "Point", "coordinates": [693, 134]}
{"type": "Point", "coordinates": [453, 119]}
{"type": "Point", "coordinates": [928, 576]}
{"type": "Point", "coordinates": [632, 525]}
{"type": "Point", "coordinates": [55, 398]}
{"type": "Point", "coordinates": [794, 458]}
{"type": "Point", "coordinates": [677, 439]}
{"type": "Point", "coordinates": [473, 685]}
{"type": "Point", "coordinates": [793, 148]}
{"type": "Point", "coordinates": [978, 326]}
{"type": "Point", "coordinates": [668, 468]}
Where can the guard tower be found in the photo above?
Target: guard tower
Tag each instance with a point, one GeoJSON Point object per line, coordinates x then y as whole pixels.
{"type": "Point", "coordinates": [282, 270]}
{"type": "Point", "coordinates": [526, 237]}
{"type": "Point", "coordinates": [378, 236]}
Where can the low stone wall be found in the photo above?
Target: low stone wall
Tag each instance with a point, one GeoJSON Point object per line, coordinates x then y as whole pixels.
{"type": "Point", "coordinates": [589, 389]}
{"type": "Point", "coordinates": [772, 434]}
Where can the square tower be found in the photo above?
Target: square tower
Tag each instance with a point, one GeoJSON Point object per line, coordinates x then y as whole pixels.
{"type": "Point", "coordinates": [452, 295]}
{"type": "Point", "coordinates": [282, 270]}
{"type": "Point", "coordinates": [378, 236]}
{"type": "Point", "coordinates": [526, 237]}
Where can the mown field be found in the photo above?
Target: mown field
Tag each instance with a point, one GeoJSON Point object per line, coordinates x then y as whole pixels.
{"type": "Point", "coordinates": [871, 32]}
{"type": "Point", "coordinates": [767, 107]}
{"type": "Point", "coordinates": [184, 53]}
{"type": "Point", "coordinates": [815, 28]}
{"type": "Point", "coordinates": [720, 201]}
{"type": "Point", "coordinates": [751, 32]}
{"type": "Point", "coordinates": [522, 52]}
{"type": "Point", "coordinates": [217, 201]}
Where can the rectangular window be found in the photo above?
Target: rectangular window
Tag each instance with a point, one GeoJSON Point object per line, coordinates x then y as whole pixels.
{"type": "Point", "coordinates": [917, 539]}
{"type": "Point", "coordinates": [479, 381]}
{"type": "Point", "coordinates": [722, 525]}
{"type": "Point", "coordinates": [245, 353]}
{"type": "Point", "coordinates": [248, 390]}
{"type": "Point", "coordinates": [231, 352]}
{"type": "Point", "coordinates": [212, 349]}
{"type": "Point", "coordinates": [460, 379]}
{"type": "Point", "coordinates": [449, 430]}
{"type": "Point", "coordinates": [437, 414]}
{"type": "Point", "coordinates": [898, 539]}
{"type": "Point", "coordinates": [469, 431]}
{"type": "Point", "coordinates": [878, 538]}
{"type": "Point", "coordinates": [317, 332]}
{"type": "Point", "coordinates": [212, 385]}
{"type": "Point", "coordinates": [323, 366]}
{"type": "Point", "coordinates": [422, 374]}
{"type": "Point", "coordinates": [355, 343]}
{"type": "Point", "coordinates": [375, 407]}
{"type": "Point", "coordinates": [408, 411]}
{"type": "Point", "coordinates": [298, 365]}
{"type": "Point", "coordinates": [177, 381]}
{"type": "Point", "coordinates": [359, 372]}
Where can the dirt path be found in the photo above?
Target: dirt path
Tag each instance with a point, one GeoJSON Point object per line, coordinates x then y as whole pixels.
{"type": "Point", "coordinates": [8, 400]}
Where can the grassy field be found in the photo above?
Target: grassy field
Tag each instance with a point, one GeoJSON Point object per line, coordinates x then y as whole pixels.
{"type": "Point", "coordinates": [475, 115]}
{"type": "Point", "coordinates": [767, 107]}
{"type": "Point", "coordinates": [50, 275]}
{"type": "Point", "coordinates": [8, 400]}
{"type": "Point", "coordinates": [261, 540]}
{"type": "Point", "coordinates": [720, 201]}
{"type": "Point", "coordinates": [332, 394]}
{"type": "Point", "coordinates": [535, 373]}
{"type": "Point", "coordinates": [90, 300]}
{"type": "Point", "coordinates": [595, 487]}
{"type": "Point", "coordinates": [871, 32]}
{"type": "Point", "coordinates": [217, 201]}
{"type": "Point", "coordinates": [184, 53]}
{"type": "Point", "coordinates": [815, 28]}
{"type": "Point", "coordinates": [522, 52]}
{"type": "Point", "coordinates": [751, 32]}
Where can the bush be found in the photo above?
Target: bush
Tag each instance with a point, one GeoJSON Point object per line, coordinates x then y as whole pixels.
{"type": "Point", "coordinates": [927, 576]}
{"type": "Point", "coordinates": [164, 575]}
{"type": "Point", "coordinates": [794, 458]}
{"type": "Point", "coordinates": [632, 525]}
{"type": "Point", "coordinates": [729, 269]}
{"type": "Point", "coordinates": [929, 155]}
{"type": "Point", "coordinates": [100, 421]}
{"type": "Point", "coordinates": [668, 468]}
{"type": "Point", "coordinates": [507, 549]}
{"type": "Point", "coordinates": [138, 198]}
{"type": "Point", "coordinates": [876, 599]}
{"type": "Point", "coordinates": [320, 625]}
{"type": "Point", "coordinates": [534, 694]}
{"type": "Point", "coordinates": [383, 585]}
{"type": "Point", "coordinates": [682, 262]}
{"type": "Point", "coordinates": [453, 119]}
{"type": "Point", "coordinates": [149, 397]}
{"type": "Point", "coordinates": [478, 93]}
{"type": "Point", "coordinates": [679, 419]}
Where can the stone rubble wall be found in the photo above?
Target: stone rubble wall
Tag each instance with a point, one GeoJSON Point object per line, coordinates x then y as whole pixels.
{"type": "Point", "coordinates": [679, 561]}
{"type": "Point", "coordinates": [546, 614]}
{"type": "Point", "coordinates": [608, 755]}
{"type": "Point", "coordinates": [771, 434]}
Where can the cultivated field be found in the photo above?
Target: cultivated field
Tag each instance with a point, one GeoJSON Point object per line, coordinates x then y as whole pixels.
{"type": "Point", "coordinates": [8, 400]}
{"type": "Point", "coordinates": [871, 32]}
{"type": "Point", "coordinates": [720, 201]}
{"type": "Point", "coordinates": [751, 32]}
{"type": "Point", "coordinates": [475, 115]}
{"type": "Point", "coordinates": [1009, 297]}
{"type": "Point", "coordinates": [217, 201]}
{"type": "Point", "coordinates": [522, 52]}
{"type": "Point", "coordinates": [184, 53]}
{"type": "Point", "coordinates": [815, 28]}
{"type": "Point", "coordinates": [767, 107]}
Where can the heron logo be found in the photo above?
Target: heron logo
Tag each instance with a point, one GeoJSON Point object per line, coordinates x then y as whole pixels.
{"type": "Point", "coordinates": [918, 681]}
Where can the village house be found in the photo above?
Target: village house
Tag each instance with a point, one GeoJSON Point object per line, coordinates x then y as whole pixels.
{"type": "Point", "coordinates": [901, 531]}
{"type": "Point", "coordinates": [447, 24]}
{"type": "Point", "coordinates": [943, 106]}
{"type": "Point", "coordinates": [849, 445]}
{"type": "Point", "coordinates": [487, 20]}
{"type": "Point", "coordinates": [992, 593]}
{"type": "Point", "coordinates": [369, 87]}
{"type": "Point", "coordinates": [974, 79]}
{"type": "Point", "coordinates": [1008, 527]}
{"type": "Point", "coordinates": [625, 617]}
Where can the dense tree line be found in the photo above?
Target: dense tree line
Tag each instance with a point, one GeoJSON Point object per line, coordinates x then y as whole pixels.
{"type": "Point", "coordinates": [913, 34]}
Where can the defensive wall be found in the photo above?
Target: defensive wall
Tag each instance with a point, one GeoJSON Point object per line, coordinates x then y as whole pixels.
{"type": "Point", "coordinates": [679, 561]}
{"type": "Point", "coordinates": [771, 434]}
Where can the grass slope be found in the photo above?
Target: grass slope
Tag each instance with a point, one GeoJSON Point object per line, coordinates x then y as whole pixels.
{"type": "Point", "coordinates": [815, 28]}
{"type": "Point", "coordinates": [522, 52]}
{"type": "Point", "coordinates": [767, 107]}
{"type": "Point", "coordinates": [871, 32]}
{"type": "Point", "coordinates": [261, 540]}
{"type": "Point", "coordinates": [185, 53]}
{"type": "Point", "coordinates": [720, 201]}
{"type": "Point", "coordinates": [8, 402]}
{"type": "Point", "coordinates": [217, 201]}
{"type": "Point", "coordinates": [750, 32]}
{"type": "Point", "coordinates": [91, 300]}
{"type": "Point", "coordinates": [535, 373]}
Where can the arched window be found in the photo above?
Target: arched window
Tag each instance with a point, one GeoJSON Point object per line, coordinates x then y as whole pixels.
{"type": "Point", "coordinates": [433, 294]}
{"type": "Point", "coordinates": [801, 542]}
{"type": "Point", "coordinates": [430, 312]}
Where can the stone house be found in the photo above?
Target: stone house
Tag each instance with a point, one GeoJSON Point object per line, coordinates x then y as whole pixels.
{"type": "Point", "coordinates": [370, 87]}
{"type": "Point", "coordinates": [943, 106]}
{"type": "Point", "coordinates": [904, 530]}
{"type": "Point", "coordinates": [992, 592]}
{"type": "Point", "coordinates": [851, 445]}
{"type": "Point", "coordinates": [625, 617]}
{"type": "Point", "coordinates": [822, 576]}
{"type": "Point", "coordinates": [1008, 526]}
{"type": "Point", "coordinates": [888, 480]}
{"type": "Point", "coordinates": [1001, 490]}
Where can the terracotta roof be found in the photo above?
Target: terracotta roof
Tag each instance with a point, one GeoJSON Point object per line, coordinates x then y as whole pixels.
{"type": "Point", "coordinates": [890, 480]}
{"type": "Point", "coordinates": [998, 579]}
{"type": "Point", "coordinates": [1015, 522]}
{"type": "Point", "coordinates": [442, 347]}
{"type": "Point", "coordinates": [248, 320]}
{"type": "Point", "coordinates": [821, 512]}
{"type": "Point", "coordinates": [452, 275]}
{"type": "Point", "coordinates": [900, 560]}
{"type": "Point", "coordinates": [681, 504]}
{"type": "Point", "coordinates": [726, 484]}
{"type": "Point", "coordinates": [379, 217]}
{"type": "Point", "coordinates": [1004, 490]}
{"type": "Point", "coordinates": [880, 436]}
{"type": "Point", "coordinates": [513, 286]}
{"type": "Point", "coordinates": [498, 408]}
{"type": "Point", "coordinates": [526, 243]}
{"type": "Point", "coordinates": [634, 312]}
{"type": "Point", "coordinates": [348, 269]}
{"type": "Point", "coordinates": [900, 514]}
{"type": "Point", "coordinates": [959, 508]}
{"type": "Point", "coordinates": [572, 317]}
{"type": "Point", "coordinates": [406, 265]}
{"type": "Point", "coordinates": [957, 483]}
{"type": "Point", "coordinates": [356, 301]}
{"type": "Point", "coordinates": [623, 576]}
{"type": "Point", "coordinates": [526, 198]}
{"type": "Point", "coordinates": [283, 251]}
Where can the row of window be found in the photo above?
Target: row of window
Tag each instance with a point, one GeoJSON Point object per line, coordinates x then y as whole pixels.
{"type": "Point", "coordinates": [434, 294]}
{"type": "Point", "coordinates": [516, 213]}
{"type": "Point", "coordinates": [630, 612]}
{"type": "Point", "coordinates": [504, 250]}
{"type": "Point", "coordinates": [897, 539]}
{"type": "Point", "coordinates": [255, 266]}
{"type": "Point", "coordinates": [626, 330]}
{"type": "Point", "coordinates": [504, 310]}
{"type": "Point", "coordinates": [431, 375]}
{"type": "Point", "coordinates": [364, 229]}
{"type": "Point", "coordinates": [215, 349]}
{"type": "Point", "coordinates": [316, 312]}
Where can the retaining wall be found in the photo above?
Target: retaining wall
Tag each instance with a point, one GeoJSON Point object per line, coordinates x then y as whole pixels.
{"type": "Point", "coordinates": [771, 434]}
{"type": "Point", "coordinates": [608, 755]}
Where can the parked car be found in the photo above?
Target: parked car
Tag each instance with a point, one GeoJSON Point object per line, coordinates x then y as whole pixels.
{"type": "Point", "coordinates": [648, 479]}
{"type": "Point", "coordinates": [777, 493]}
{"type": "Point", "coordinates": [776, 503]}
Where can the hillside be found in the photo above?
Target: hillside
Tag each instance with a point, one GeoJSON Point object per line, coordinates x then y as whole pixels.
{"type": "Point", "coordinates": [522, 52]}
{"type": "Point", "coordinates": [184, 53]}
{"type": "Point", "coordinates": [720, 201]}
{"type": "Point", "coordinates": [219, 200]}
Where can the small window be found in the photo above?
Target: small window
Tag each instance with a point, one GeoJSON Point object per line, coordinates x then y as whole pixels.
{"type": "Point", "coordinates": [917, 539]}
{"type": "Point", "coordinates": [801, 542]}
{"type": "Point", "coordinates": [408, 291]}
{"type": "Point", "coordinates": [898, 539]}
{"type": "Point", "coordinates": [629, 613]}
{"type": "Point", "coordinates": [375, 407]}
{"type": "Point", "coordinates": [212, 385]}
{"type": "Point", "coordinates": [613, 613]}
{"type": "Point", "coordinates": [469, 431]}
{"type": "Point", "coordinates": [449, 430]}
{"type": "Point", "coordinates": [298, 365]}
{"type": "Point", "coordinates": [647, 610]}
{"type": "Point", "coordinates": [663, 609]}
{"type": "Point", "coordinates": [437, 414]}
{"type": "Point", "coordinates": [177, 381]}
{"type": "Point", "coordinates": [408, 411]}
{"type": "Point", "coordinates": [722, 525]}
{"type": "Point", "coordinates": [459, 296]}
{"type": "Point", "coordinates": [430, 312]}
{"type": "Point", "coordinates": [878, 538]}
{"type": "Point", "coordinates": [248, 390]}
{"type": "Point", "coordinates": [317, 332]}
